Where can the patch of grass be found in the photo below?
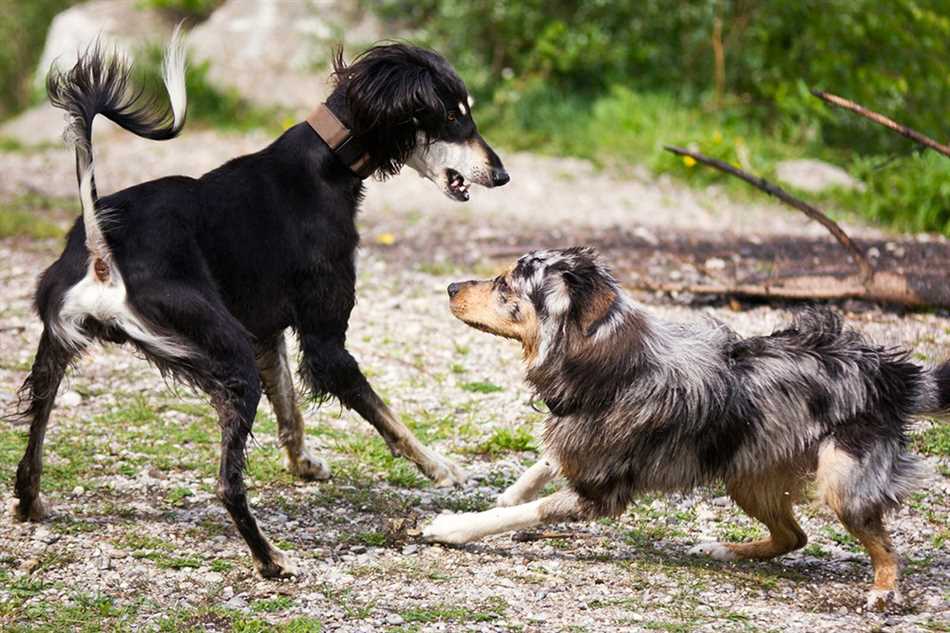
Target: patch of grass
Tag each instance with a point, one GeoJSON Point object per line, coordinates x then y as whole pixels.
{"type": "Point", "coordinates": [271, 605]}
{"type": "Point", "coordinates": [506, 440]}
{"type": "Point", "coordinates": [177, 496]}
{"type": "Point", "coordinates": [481, 387]}
{"type": "Point", "coordinates": [813, 549]}
{"type": "Point", "coordinates": [843, 539]}
{"type": "Point", "coordinates": [80, 613]}
{"type": "Point", "coordinates": [490, 610]}
{"type": "Point", "coordinates": [30, 215]}
{"type": "Point", "coordinates": [741, 533]}
{"type": "Point", "coordinates": [934, 441]}
{"type": "Point", "coordinates": [221, 566]}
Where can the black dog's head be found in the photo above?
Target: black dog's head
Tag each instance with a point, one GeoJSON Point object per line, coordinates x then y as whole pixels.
{"type": "Point", "coordinates": [408, 106]}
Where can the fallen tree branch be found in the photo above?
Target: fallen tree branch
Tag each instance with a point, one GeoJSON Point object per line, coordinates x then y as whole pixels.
{"type": "Point", "coordinates": [880, 119]}
{"type": "Point", "coordinates": [867, 271]}
{"type": "Point", "coordinates": [886, 287]}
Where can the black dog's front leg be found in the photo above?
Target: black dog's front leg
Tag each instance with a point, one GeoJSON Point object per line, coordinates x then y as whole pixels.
{"type": "Point", "coordinates": [330, 370]}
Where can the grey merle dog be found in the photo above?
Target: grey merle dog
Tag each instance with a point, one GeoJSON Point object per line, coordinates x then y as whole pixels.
{"type": "Point", "coordinates": [639, 404]}
{"type": "Point", "coordinates": [203, 276]}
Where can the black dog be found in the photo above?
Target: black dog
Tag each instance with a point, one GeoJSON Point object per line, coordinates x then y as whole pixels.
{"type": "Point", "coordinates": [204, 275]}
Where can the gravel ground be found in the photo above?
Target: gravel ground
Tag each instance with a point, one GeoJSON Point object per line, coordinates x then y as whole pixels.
{"type": "Point", "coordinates": [138, 541]}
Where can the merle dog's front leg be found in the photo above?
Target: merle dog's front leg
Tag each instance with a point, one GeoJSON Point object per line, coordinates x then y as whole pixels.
{"type": "Point", "coordinates": [330, 369]}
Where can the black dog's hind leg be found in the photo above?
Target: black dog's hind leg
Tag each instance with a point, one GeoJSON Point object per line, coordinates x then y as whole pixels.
{"type": "Point", "coordinates": [330, 369]}
{"type": "Point", "coordinates": [38, 394]}
{"type": "Point", "coordinates": [223, 365]}
{"type": "Point", "coordinates": [279, 387]}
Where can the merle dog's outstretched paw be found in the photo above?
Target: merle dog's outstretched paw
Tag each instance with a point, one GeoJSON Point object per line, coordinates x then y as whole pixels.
{"type": "Point", "coordinates": [309, 467]}
{"type": "Point", "coordinates": [34, 512]}
{"type": "Point", "coordinates": [280, 566]}
{"type": "Point", "coordinates": [450, 529]}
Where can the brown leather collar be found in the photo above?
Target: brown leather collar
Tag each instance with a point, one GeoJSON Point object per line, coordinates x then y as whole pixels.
{"type": "Point", "coordinates": [340, 141]}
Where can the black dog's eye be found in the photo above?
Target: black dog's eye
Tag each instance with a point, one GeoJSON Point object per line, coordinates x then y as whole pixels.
{"type": "Point", "coordinates": [452, 116]}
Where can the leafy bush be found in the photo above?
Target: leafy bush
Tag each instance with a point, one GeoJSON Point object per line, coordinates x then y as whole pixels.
{"type": "Point", "coordinates": [616, 79]}
{"type": "Point", "coordinates": [22, 34]}
{"type": "Point", "coordinates": [198, 8]}
{"type": "Point", "coordinates": [890, 55]}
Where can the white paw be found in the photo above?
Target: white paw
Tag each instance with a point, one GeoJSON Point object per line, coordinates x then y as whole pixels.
{"type": "Point", "coordinates": [718, 551]}
{"type": "Point", "coordinates": [883, 599]}
{"type": "Point", "coordinates": [509, 498]}
{"type": "Point", "coordinates": [310, 467]}
{"type": "Point", "coordinates": [452, 529]}
{"type": "Point", "coordinates": [282, 565]}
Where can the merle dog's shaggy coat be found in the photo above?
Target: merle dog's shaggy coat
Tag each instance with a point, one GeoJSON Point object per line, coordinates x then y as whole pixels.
{"type": "Point", "coordinates": [204, 275]}
{"type": "Point", "coordinates": [638, 404]}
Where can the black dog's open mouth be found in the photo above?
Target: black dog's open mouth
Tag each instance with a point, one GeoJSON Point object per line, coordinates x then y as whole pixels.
{"type": "Point", "coordinates": [457, 186]}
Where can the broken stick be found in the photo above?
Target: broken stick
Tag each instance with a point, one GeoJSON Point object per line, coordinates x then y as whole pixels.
{"type": "Point", "coordinates": [867, 271]}
{"type": "Point", "coordinates": [880, 119]}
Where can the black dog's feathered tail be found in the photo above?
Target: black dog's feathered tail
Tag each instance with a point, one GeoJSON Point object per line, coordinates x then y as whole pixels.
{"type": "Point", "coordinates": [101, 85]}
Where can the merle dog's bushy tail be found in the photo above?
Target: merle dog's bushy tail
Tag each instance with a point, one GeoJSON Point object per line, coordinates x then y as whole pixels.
{"type": "Point", "coordinates": [101, 84]}
{"type": "Point", "coordinates": [942, 374]}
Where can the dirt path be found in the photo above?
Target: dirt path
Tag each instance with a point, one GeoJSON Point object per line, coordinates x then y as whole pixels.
{"type": "Point", "coordinates": [137, 539]}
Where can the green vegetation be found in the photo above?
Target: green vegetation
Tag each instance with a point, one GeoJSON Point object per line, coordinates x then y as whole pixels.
{"type": "Point", "coordinates": [208, 105]}
{"type": "Point", "coordinates": [507, 441]}
{"type": "Point", "coordinates": [491, 609]}
{"type": "Point", "coordinates": [481, 387]}
{"type": "Point", "coordinates": [614, 81]}
{"type": "Point", "coordinates": [22, 33]}
{"type": "Point", "coordinates": [28, 215]}
{"type": "Point", "coordinates": [194, 8]}
{"type": "Point", "coordinates": [934, 441]}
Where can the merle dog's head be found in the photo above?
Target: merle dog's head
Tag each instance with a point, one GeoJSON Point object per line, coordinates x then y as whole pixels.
{"type": "Point", "coordinates": [408, 106]}
{"type": "Point", "coordinates": [552, 301]}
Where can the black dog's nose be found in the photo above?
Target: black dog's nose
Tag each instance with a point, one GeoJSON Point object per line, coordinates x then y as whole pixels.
{"type": "Point", "coordinates": [499, 177]}
{"type": "Point", "coordinates": [454, 289]}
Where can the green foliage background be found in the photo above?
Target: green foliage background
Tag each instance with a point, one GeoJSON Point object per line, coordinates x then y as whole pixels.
{"type": "Point", "coordinates": [613, 80]}
{"type": "Point", "coordinates": [609, 79]}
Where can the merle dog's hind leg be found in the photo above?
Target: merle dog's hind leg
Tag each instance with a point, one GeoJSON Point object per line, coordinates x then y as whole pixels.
{"type": "Point", "coordinates": [279, 387]}
{"type": "Point", "coordinates": [844, 482]}
{"type": "Point", "coordinates": [37, 396]}
{"type": "Point", "coordinates": [770, 498]}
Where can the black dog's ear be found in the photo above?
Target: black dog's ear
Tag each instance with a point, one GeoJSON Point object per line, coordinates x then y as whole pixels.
{"type": "Point", "coordinates": [392, 96]}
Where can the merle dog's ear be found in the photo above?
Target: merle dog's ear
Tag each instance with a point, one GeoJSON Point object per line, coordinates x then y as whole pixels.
{"type": "Point", "coordinates": [392, 95]}
{"type": "Point", "coordinates": [591, 290]}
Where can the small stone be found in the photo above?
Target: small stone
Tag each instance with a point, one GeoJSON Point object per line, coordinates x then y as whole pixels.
{"type": "Point", "coordinates": [103, 563]}
{"type": "Point", "coordinates": [714, 263]}
{"type": "Point", "coordinates": [358, 549]}
{"type": "Point", "coordinates": [78, 490]}
{"type": "Point", "coordinates": [69, 399]}
{"type": "Point", "coordinates": [410, 549]}
{"type": "Point", "coordinates": [227, 593]}
{"type": "Point", "coordinates": [722, 502]}
{"type": "Point", "coordinates": [394, 619]}
{"type": "Point", "coordinates": [213, 577]}
{"type": "Point", "coordinates": [29, 565]}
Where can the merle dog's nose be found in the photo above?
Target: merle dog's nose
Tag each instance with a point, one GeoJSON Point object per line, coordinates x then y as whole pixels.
{"type": "Point", "coordinates": [499, 176]}
{"type": "Point", "coordinates": [454, 289]}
